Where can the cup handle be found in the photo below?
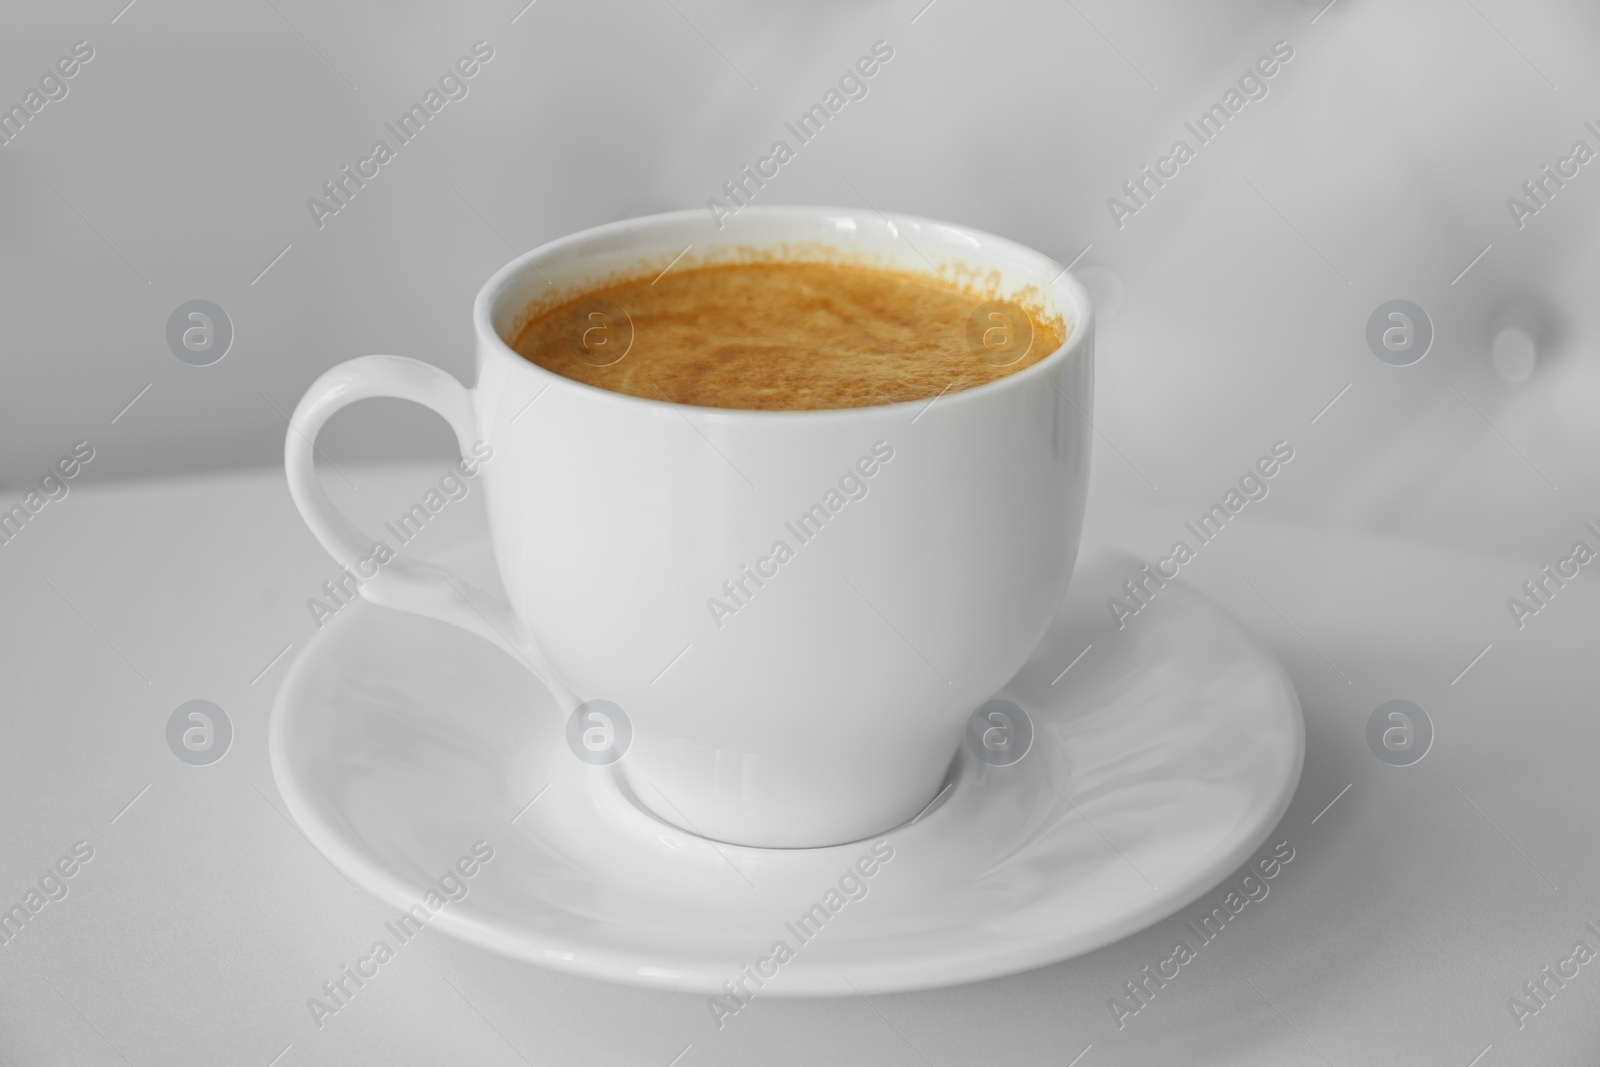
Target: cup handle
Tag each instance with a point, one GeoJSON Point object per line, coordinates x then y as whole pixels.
{"type": "Point", "coordinates": [416, 586]}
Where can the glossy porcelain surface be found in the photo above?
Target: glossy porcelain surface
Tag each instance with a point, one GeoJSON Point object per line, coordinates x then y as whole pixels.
{"type": "Point", "coordinates": [787, 696]}
{"type": "Point", "coordinates": [1162, 758]}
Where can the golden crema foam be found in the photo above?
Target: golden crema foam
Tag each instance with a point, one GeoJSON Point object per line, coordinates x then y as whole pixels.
{"type": "Point", "coordinates": [786, 336]}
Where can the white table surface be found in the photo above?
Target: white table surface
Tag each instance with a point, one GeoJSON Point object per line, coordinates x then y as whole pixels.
{"type": "Point", "coordinates": [1416, 905]}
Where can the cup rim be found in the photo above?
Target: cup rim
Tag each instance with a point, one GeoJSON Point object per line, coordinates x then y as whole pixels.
{"type": "Point", "coordinates": [1063, 286]}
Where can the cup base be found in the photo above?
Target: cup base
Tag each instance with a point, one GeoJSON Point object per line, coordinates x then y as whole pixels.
{"type": "Point", "coordinates": [678, 823]}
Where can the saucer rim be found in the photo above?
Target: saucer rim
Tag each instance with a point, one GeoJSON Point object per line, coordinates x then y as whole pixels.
{"type": "Point", "coordinates": [646, 969]}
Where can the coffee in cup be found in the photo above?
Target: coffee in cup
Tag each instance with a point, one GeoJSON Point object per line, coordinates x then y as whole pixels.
{"type": "Point", "coordinates": [781, 335]}
{"type": "Point", "coordinates": [795, 556]}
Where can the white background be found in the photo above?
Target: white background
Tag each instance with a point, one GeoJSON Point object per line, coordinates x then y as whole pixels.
{"type": "Point", "coordinates": [1378, 167]}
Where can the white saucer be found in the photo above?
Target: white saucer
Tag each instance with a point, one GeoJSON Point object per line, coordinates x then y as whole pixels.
{"type": "Point", "coordinates": [1161, 760]}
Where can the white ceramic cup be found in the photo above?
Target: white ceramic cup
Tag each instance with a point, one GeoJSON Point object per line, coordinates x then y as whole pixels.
{"type": "Point", "coordinates": [824, 701]}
